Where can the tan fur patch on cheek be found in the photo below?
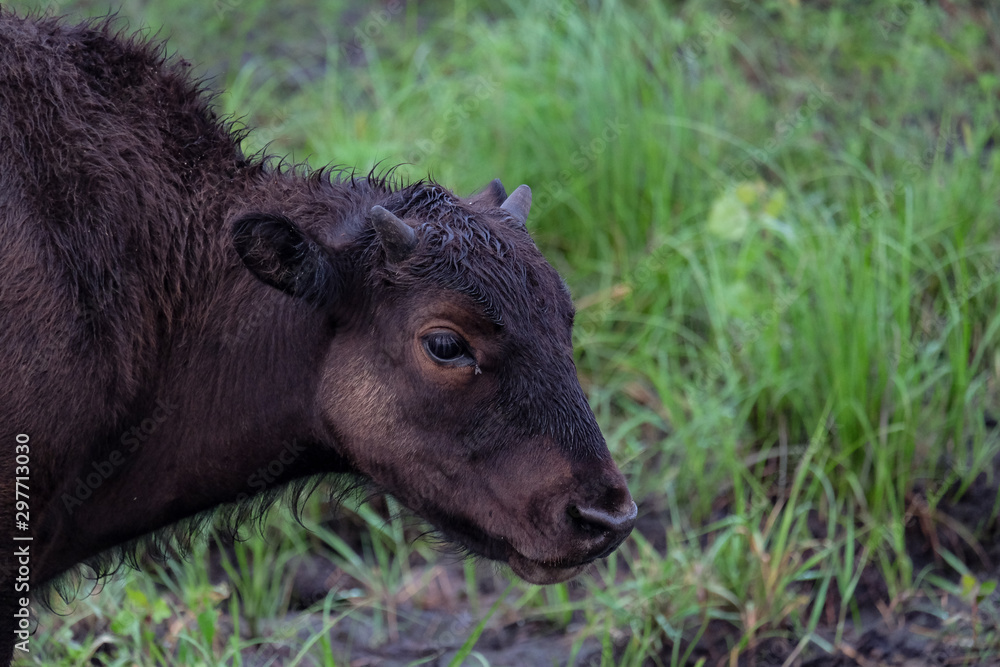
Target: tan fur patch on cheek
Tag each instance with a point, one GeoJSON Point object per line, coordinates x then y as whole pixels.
{"type": "Point", "coordinates": [361, 405]}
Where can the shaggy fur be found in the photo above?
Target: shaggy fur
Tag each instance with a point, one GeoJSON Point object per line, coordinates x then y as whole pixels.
{"type": "Point", "coordinates": [184, 328]}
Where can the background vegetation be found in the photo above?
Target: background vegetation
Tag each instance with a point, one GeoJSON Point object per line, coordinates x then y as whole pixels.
{"type": "Point", "coordinates": [780, 224]}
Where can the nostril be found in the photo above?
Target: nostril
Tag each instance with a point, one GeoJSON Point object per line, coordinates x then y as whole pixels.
{"type": "Point", "coordinates": [602, 520]}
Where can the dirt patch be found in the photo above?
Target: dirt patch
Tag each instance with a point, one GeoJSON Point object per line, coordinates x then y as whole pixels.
{"type": "Point", "coordinates": [428, 619]}
{"type": "Point", "coordinates": [932, 627]}
{"type": "Point", "coordinates": [427, 628]}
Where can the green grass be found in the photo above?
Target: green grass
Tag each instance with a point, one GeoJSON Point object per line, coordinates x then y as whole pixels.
{"type": "Point", "coordinates": [780, 225]}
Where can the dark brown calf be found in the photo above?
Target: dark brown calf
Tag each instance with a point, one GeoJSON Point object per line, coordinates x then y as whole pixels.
{"type": "Point", "coordinates": [183, 327]}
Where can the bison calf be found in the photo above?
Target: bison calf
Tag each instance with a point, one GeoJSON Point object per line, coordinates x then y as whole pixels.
{"type": "Point", "coordinates": [184, 327]}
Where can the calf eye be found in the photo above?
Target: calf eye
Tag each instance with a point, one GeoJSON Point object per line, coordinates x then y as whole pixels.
{"type": "Point", "coordinates": [448, 348]}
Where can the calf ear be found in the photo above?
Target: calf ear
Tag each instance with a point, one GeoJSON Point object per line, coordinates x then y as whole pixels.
{"type": "Point", "coordinates": [491, 196]}
{"type": "Point", "coordinates": [280, 255]}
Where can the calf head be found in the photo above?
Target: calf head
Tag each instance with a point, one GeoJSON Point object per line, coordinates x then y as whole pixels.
{"type": "Point", "coordinates": [449, 379]}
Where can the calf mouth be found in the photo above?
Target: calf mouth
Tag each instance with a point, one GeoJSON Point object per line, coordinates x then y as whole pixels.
{"type": "Point", "coordinates": [537, 572]}
{"type": "Point", "coordinates": [480, 543]}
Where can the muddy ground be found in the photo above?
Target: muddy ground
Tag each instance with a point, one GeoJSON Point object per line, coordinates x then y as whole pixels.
{"type": "Point", "coordinates": [429, 625]}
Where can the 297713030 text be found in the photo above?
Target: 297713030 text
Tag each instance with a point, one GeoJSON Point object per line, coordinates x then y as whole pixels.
{"type": "Point", "coordinates": [22, 542]}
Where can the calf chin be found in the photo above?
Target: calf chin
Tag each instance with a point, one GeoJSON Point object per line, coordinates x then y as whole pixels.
{"type": "Point", "coordinates": [539, 573]}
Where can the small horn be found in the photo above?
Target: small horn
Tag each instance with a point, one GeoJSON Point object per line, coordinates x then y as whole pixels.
{"type": "Point", "coordinates": [397, 237]}
{"type": "Point", "coordinates": [518, 204]}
